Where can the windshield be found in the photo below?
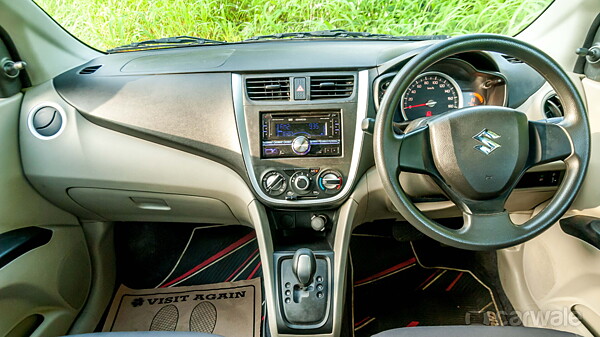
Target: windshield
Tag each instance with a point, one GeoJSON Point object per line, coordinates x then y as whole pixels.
{"type": "Point", "coordinates": [111, 23]}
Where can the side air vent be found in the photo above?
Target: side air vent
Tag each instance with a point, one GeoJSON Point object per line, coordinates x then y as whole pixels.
{"type": "Point", "coordinates": [89, 70]}
{"type": "Point", "coordinates": [553, 106]}
{"type": "Point", "coordinates": [46, 121]}
{"type": "Point", "coordinates": [512, 59]}
{"type": "Point", "coordinates": [330, 87]}
{"type": "Point", "coordinates": [271, 88]}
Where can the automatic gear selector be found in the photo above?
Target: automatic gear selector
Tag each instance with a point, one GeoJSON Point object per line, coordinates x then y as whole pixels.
{"type": "Point", "coordinates": [304, 266]}
{"type": "Point", "coordinates": [304, 289]}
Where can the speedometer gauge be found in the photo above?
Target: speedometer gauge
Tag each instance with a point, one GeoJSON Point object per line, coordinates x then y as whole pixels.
{"type": "Point", "coordinates": [430, 94]}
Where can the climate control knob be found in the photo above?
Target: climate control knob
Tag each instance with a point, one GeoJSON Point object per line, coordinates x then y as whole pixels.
{"type": "Point", "coordinates": [274, 183]}
{"type": "Point", "coordinates": [301, 183]}
{"type": "Point", "coordinates": [301, 145]}
{"type": "Point", "coordinates": [330, 181]}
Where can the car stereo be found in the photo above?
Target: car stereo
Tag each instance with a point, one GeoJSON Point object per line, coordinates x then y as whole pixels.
{"type": "Point", "coordinates": [310, 134]}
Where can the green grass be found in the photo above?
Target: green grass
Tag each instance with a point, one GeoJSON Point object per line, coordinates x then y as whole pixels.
{"type": "Point", "coordinates": [108, 23]}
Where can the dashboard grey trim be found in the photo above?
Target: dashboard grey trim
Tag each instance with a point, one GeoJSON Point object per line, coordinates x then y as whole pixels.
{"type": "Point", "coordinates": [361, 113]}
{"type": "Point", "coordinates": [183, 111]}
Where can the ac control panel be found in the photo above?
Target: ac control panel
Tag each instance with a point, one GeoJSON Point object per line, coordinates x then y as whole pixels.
{"type": "Point", "coordinates": [302, 183]}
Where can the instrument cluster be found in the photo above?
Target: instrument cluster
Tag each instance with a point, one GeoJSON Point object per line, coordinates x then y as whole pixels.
{"type": "Point", "coordinates": [447, 85]}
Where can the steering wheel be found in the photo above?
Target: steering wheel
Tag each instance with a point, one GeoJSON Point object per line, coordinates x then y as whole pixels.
{"type": "Point", "coordinates": [477, 155]}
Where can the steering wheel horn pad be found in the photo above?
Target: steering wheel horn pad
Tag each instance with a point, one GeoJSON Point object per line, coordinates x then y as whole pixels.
{"type": "Point", "coordinates": [480, 151]}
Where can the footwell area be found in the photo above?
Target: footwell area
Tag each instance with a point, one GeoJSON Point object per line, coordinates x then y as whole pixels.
{"type": "Point", "coordinates": [168, 255]}
{"type": "Point", "coordinates": [162, 256]}
{"type": "Point", "coordinates": [419, 283]}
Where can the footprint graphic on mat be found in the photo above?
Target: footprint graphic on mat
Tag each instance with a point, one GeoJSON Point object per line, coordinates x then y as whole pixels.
{"type": "Point", "coordinates": [165, 319]}
{"type": "Point", "coordinates": [203, 318]}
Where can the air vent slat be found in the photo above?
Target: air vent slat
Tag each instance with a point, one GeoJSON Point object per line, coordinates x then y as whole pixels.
{"type": "Point", "coordinates": [89, 70]}
{"type": "Point", "coordinates": [324, 87]}
{"type": "Point", "coordinates": [553, 107]}
{"type": "Point", "coordinates": [330, 83]}
{"type": "Point", "coordinates": [512, 59]}
{"type": "Point", "coordinates": [271, 88]}
{"type": "Point", "coordinates": [332, 90]}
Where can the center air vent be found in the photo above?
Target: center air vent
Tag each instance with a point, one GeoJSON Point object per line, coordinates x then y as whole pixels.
{"type": "Point", "coordinates": [328, 87]}
{"type": "Point", "coordinates": [268, 88]}
{"type": "Point", "coordinates": [89, 70]}
{"type": "Point", "coordinates": [553, 107]}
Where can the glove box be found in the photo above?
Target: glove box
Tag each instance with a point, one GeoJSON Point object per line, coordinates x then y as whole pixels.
{"type": "Point", "coordinates": [123, 205]}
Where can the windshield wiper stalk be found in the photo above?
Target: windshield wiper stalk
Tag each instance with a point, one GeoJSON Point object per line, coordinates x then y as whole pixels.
{"type": "Point", "coordinates": [165, 42]}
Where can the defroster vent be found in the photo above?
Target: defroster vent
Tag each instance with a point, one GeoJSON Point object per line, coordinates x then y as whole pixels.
{"type": "Point", "coordinates": [331, 87]}
{"type": "Point", "coordinates": [268, 88]}
{"type": "Point", "coordinates": [89, 70]}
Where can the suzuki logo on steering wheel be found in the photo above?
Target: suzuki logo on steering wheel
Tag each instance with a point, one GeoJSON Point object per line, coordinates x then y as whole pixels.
{"type": "Point", "coordinates": [486, 137]}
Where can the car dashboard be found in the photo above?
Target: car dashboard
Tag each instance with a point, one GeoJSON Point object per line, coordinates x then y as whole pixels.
{"type": "Point", "coordinates": [197, 133]}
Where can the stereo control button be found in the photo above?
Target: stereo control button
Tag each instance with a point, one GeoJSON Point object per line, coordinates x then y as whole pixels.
{"type": "Point", "coordinates": [301, 145]}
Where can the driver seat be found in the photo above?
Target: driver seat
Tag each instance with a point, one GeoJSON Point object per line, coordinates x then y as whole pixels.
{"type": "Point", "coordinates": [473, 331]}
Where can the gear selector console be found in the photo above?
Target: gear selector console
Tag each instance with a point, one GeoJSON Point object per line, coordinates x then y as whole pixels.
{"type": "Point", "coordinates": [304, 289]}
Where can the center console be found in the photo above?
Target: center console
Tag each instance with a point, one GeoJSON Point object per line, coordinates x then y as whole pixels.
{"type": "Point", "coordinates": [300, 134]}
{"type": "Point", "coordinates": [301, 141]}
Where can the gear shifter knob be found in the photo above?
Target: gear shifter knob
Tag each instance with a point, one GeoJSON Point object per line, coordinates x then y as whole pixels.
{"type": "Point", "coordinates": [304, 266]}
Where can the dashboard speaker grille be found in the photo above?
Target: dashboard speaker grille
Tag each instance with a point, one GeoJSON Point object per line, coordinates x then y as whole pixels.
{"type": "Point", "coordinates": [268, 88]}
{"type": "Point", "coordinates": [331, 87]}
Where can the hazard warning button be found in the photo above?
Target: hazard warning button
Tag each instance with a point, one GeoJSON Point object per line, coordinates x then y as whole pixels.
{"type": "Point", "coordinates": [299, 88]}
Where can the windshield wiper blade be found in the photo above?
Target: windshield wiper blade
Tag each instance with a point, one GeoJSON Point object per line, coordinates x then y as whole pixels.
{"type": "Point", "coordinates": [341, 33]}
{"type": "Point", "coordinates": [165, 42]}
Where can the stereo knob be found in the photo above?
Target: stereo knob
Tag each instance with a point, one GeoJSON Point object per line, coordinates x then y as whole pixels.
{"type": "Point", "coordinates": [274, 183]}
{"type": "Point", "coordinates": [331, 181]}
{"type": "Point", "coordinates": [301, 145]}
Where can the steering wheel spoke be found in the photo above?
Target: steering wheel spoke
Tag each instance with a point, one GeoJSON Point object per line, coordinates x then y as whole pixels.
{"type": "Point", "coordinates": [414, 154]}
{"type": "Point", "coordinates": [547, 142]}
{"type": "Point", "coordinates": [481, 227]}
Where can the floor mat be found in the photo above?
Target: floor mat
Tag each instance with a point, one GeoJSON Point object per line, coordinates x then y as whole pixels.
{"type": "Point", "coordinates": [394, 288]}
{"type": "Point", "coordinates": [163, 255]}
{"type": "Point", "coordinates": [226, 309]}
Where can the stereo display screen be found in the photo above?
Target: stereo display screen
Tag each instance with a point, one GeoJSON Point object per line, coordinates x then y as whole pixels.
{"type": "Point", "coordinates": [293, 129]}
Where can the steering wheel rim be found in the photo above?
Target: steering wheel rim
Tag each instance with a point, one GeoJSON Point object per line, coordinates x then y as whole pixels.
{"type": "Point", "coordinates": [487, 224]}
